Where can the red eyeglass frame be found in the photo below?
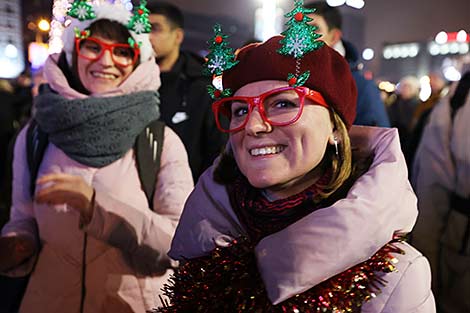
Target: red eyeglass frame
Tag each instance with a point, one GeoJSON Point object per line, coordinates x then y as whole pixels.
{"type": "Point", "coordinates": [106, 47]}
{"type": "Point", "coordinates": [303, 92]}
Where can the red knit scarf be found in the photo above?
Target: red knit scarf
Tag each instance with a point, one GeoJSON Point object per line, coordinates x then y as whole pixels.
{"type": "Point", "coordinates": [262, 217]}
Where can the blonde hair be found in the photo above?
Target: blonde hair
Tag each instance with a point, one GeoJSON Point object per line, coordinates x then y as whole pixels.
{"type": "Point", "coordinates": [341, 163]}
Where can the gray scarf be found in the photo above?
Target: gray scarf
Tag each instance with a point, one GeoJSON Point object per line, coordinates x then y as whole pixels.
{"type": "Point", "coordinates": [95, 131]}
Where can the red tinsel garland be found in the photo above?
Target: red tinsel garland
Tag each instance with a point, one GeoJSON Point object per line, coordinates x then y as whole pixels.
{"type": "Point", "coordinates": [228, 280]}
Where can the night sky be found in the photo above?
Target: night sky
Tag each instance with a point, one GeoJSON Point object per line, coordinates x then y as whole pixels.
{"type": "Point", "coordinates": [385, 21]}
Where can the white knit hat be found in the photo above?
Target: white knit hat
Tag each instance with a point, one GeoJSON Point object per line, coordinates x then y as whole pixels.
{"type": "Point", "coordinates": [112, 12]}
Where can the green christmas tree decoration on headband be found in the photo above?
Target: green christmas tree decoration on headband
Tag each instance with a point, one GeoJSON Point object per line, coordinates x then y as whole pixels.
{"type": "Point", "coordinates": [299, 39]}
{"type": "Point", "coordinates": [82, 10]}
{"type": "Point", "coordinates": [133, 43]}
{"type": "Point", "coordinates": [217, 93]}
{"type": "Point", "coordinates": [221, 56]}
{"type": "Point", "coordinates": [219, 59]}
{"type": "Point", "coordinates": [139, 22]}
{"type": "Point", "coordinates": [81, 34]}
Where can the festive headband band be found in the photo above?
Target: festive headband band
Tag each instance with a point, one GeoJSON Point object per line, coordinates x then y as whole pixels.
{"type": "Point", "coordinates": [84, 13]}
{"type": "Point", "coordinates": [299, 39]}
{"type": "Point", "coordinates": [139, 22]}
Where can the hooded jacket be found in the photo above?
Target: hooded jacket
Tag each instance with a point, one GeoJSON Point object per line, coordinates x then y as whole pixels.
{"type": "Point", "coordinates": [118, 262]}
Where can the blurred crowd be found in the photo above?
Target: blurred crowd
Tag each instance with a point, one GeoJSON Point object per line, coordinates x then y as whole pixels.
{"type": "Point", "coordinates": [16, 102]}
{"type": "Point", "coordinates": [408, 113]}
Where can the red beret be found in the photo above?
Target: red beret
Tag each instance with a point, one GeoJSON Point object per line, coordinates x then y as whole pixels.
{"type": "Point", "coordinates": [329, 73]}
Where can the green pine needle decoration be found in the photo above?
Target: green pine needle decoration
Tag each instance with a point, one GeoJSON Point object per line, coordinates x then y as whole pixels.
{"type": "Point", "coordinates": [299, 80]}
{"type": "Point", "coordinates": [133, 43]}
{"type": "Point", "coordinates": [139, 22]}
{"type": "Point", "coordinates": [221, 56]}
{"type": "Point", "coordinates": [81, 34]}
{"type": "Point", "coordinates": [300, 37]}
{"type": "Point", "coordinates": [82, 10]}
{"type": "Point", "coordinates": [217, 94]}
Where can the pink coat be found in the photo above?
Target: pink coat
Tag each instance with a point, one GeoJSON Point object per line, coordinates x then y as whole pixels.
{"type": "Point", "coordinates": [126, 260]}
{"type": "Point", "coordinates": [327, 241]}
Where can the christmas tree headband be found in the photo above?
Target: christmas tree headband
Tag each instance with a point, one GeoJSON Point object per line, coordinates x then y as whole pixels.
{"type": "Point", "coordinates": [84, 13]}
{"type": "Point", "coordinates": [299, 39]}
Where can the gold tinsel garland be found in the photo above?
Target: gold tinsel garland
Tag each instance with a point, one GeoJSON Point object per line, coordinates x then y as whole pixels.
{"type": "Point", "coordinates": [228, 280]}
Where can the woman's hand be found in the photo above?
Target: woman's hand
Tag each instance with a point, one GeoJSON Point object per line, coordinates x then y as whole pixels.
{"type": "Point", "coordinates": [14, 251]}
{"type": "Point", "coordinates": [67, 189]}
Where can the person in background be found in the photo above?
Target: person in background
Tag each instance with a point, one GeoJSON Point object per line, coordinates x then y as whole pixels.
{"type": "Point", "coordinates": [424, 108]}
{"type": "Point", "coordinates": [185, 105]}
{"type": "Point", "coordinates": [440, 177]}
{"type": "Point", "coordinates": [302, 206]}
{"type": "Point", "coordinates": [370, 108]}
{"type": "Point", "coordinates": [88, 234]}
{"type": "Point", "coordinates": [24, 102]}
{"type": "Point", "coordinates": [423, 111]}
{"type": "Point", "coordinates": [401, 110]}
{"type": "Point", "coordinates": [7, 131]}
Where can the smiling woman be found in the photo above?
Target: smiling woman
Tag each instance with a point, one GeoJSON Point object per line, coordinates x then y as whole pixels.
{"type": "Point", "coordinates": [300, 213]}
{"type": "Point", "coordinates": [94, 228]}
{"type": "Point", "coordinates": [103, 62]}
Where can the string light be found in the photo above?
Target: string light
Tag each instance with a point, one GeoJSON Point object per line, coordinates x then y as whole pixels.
{"type": "Point", "coordinates": [59, 13]}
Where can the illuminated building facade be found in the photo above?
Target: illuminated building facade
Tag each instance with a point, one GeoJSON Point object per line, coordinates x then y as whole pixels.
{"type": "Point", "coordinates": [11, 40]}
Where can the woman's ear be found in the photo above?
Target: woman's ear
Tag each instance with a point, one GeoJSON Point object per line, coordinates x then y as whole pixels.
{"type": "Point", "coordinates": [333, 137]}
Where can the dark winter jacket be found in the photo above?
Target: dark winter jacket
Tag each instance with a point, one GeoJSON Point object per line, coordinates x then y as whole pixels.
{"type": "Point", "coordinates": [370, 108]}
{"type": "Point", "coordinates": [186, 108]}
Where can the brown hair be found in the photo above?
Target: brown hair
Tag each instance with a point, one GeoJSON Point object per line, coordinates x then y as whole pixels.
{"type": "Point", "coordinates": [111, 30]}
{"type": "Point", "coordinates": [341, 163]}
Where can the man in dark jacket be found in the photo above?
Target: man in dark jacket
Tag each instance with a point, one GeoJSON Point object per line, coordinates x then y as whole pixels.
{"type": "Point", "coordinates": [370, 108]}
{"type": "Point", "coordinates": [185, 104]}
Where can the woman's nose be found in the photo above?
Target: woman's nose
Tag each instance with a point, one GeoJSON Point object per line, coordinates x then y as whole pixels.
{"type": "Point", "coordinates": [107, 58]}
{"type": "Point", "coordinates": [255, 124]}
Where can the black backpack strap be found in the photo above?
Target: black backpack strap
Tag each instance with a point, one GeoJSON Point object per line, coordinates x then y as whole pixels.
{"type": "Point", "coordinates": [148, 150]}
{"type": "Point", "coordinates": [36, 144]}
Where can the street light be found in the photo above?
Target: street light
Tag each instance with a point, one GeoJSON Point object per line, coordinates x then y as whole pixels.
{"type": "Point", "coordinates": [44, 25]}
{"type": "Point", "coordinates": [39, 27]}
{"type": "Point", "coordinates": [268, 20]}
{"type": "Point", "coordinates": [357, 4]}
{"type": "Point", "coordinates": [335, 3]}
{"type": "Point", "coordinates": [37, 50]}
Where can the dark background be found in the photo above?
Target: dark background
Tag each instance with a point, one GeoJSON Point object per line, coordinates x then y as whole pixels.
{"type": "Point", "coordinates": [378, 23]}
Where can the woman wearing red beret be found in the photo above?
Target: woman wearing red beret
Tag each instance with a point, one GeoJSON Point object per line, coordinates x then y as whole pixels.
{"type": "Point", "coordinates": [302, 212]}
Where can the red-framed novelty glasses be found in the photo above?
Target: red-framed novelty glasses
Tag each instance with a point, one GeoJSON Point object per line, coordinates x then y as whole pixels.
{"type": "Point", "coordinates": [92, 49]}
{"type": "Point", "coordinates": [278, 107]}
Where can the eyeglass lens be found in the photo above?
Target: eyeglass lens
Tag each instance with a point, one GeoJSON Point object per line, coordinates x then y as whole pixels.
{"type": "Point", "coordinates": [280, 107]}
{"type": "Point", "coordinates": [93, 49]}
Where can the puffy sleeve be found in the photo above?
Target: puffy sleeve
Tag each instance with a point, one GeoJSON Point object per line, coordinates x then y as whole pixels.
{"type": "Point", "coordinates": [22, 220]}
{"type": "Point", "coordinates": [409, 289]}
{"type": "Point", "coordinates": [413, 292]}
{"type": "Point", "coordinates": [144, 234]}
{"type": "Point", "coordinates": [335, 238]}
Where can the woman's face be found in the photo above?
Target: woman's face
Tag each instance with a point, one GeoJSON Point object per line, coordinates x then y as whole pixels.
{"type": "Point", "coordinates": [103, 74]}
{"type": "Point", "coordinates": [280, 159]}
